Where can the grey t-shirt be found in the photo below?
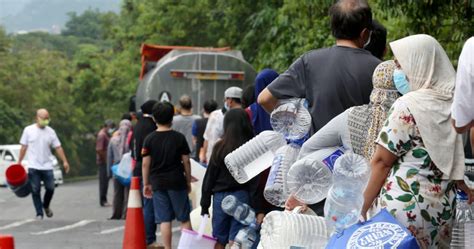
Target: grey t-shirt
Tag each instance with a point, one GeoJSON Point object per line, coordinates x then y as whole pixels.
{"type": "Point", "coordinates": [331, 79]}
{"type": "Point", "coordinates": [184, 125]}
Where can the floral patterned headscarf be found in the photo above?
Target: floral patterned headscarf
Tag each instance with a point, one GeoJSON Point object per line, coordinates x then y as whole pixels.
{"type": "Point", "coordinates": [365, 121]}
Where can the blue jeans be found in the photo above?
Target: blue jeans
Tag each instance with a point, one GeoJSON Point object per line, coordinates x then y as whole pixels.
{"type": "Point", "coordinates": [47, 177]}
{"type": "Point", "coordinates": [224, 226]}
{"type": "Point", "coordinates": [171, 204]}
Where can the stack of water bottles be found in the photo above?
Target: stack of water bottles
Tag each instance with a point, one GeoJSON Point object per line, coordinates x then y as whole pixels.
{"type": "Point", "coordinates": [310, 178]}
{"type": "Point", "coordinates": [244, 214]}
{"type": "Point", "coordinates": [279, 149]}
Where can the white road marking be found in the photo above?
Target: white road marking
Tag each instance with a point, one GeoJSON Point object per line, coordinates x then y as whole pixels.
{"type": "Point", "coordinates": [175, 229]}
{"type": "Point", "coordinates": [68, 227]}
{"type": "Point", "coordinates": [17, 224]}
{"type": "Point", "coordinates": [113, 230]}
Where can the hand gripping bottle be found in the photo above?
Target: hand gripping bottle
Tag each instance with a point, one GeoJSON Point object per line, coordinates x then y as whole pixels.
{"type": "Point", "coordinates": [345, 197]}
{"type": "Point", "coordinates": [276, 190]}
{"type": "Point", "coordinates": [310, 178]}
{"type": "Point", "coordinates": [291, 118]}
{"type": "Point", "coordinates": [254, 156]}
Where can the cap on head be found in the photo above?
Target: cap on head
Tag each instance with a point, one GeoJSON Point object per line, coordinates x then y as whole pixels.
{"type": "Point", "coordinates": [147, 107]}
{"type": "Point", "coordinates": [233, 92]}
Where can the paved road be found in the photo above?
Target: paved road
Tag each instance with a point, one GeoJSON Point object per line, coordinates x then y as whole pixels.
{"type": "Point", "coordinates": [78, 223]}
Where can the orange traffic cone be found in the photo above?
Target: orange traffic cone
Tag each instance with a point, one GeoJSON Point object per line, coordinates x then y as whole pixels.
{"type": "Point", "coordinates": [6, 241]}
{"type": "Point", "coordinates": [134, 236]}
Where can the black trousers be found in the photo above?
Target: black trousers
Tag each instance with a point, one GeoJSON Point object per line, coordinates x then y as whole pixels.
{"type": "Point", "coordinates": [120, 200]}
{"type": "Point", "coordinates": [103, 183]}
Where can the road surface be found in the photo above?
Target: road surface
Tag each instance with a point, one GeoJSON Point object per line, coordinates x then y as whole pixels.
{"type": "Point", "coordinates": [78, 222]}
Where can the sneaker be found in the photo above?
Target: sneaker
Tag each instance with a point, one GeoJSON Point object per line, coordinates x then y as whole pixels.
{"type": "Point", "coordinates": [39, 217]}
{"type": "Point", "coordinates": [49, 212]}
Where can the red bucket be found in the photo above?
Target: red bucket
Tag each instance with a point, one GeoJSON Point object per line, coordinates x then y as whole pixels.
{"type": "Point", "coordinates": [16, 175]}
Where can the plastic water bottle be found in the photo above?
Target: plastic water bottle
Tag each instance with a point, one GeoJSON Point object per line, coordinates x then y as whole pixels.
{"type": "Point", "coordinates": [345, 198]}
{"type": "Point", "coordinates": [463, 219]}
{"type": "Point", "coordinates": [242, 212]}
{"type": "Point", "coordinates": [276, 190]}
{"type": "Point", "coordinates": [246, 237]}
{"type": "Point", "coordinates": [310, 178]}
{"type": "Point", "coordinates": [255, 156]}
{"type": "Point", "coordinates": [291, 118]}
{"type": "Point", "coordinates": [284, 229]}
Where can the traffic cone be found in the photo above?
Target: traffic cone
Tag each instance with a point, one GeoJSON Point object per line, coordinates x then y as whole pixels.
{"type": "Point", "coordinates": [7, 241]}
{"type": "Point", "coordinates": [134, 236]}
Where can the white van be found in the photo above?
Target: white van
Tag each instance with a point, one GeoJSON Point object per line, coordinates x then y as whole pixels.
{"type": "Point", "coordinates": [9, 155]}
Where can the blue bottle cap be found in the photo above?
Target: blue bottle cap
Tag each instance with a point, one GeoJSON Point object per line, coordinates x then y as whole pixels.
{"type": "Point", "coordinates": [461, 195]}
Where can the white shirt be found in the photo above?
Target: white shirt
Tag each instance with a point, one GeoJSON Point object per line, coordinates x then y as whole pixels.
{"type": "Point", "coordinates": [39, 142]}
{"type": "Point", "coordinates": [463, 103]}
{"type": "Point", "coordinates": [214, 131]}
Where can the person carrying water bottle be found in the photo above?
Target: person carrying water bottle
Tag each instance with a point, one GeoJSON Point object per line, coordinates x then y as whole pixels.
{"type": "Point", "coordinates": [219, 183]}
{"type": "Point", "coordinates": [36, 142]}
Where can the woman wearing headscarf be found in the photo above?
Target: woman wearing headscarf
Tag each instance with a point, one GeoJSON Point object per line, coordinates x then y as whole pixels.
{"type": "Point", "coordinates": [419, 157]}
{"type": "Point", "coordinates": [117, 147]}
{"type": "Point", "coordinates": [260, 118]}
{"type": "Point", "coordinates": [357, 128]}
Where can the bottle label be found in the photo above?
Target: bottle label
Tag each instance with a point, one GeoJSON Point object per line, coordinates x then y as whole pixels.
{"type": "Point", "coordinates": [331, 159]}
{"type": "Point", "coordinates": [274, 170]}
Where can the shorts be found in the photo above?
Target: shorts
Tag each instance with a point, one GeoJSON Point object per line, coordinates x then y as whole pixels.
{"type": "Point", "coordinates": [224, 226]}
{"type": "Point", "coordinates": [171, 204]}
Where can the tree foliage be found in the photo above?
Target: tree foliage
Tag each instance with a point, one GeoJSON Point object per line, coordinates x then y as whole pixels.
{"type": "Point", "coordinates": [86, 74]}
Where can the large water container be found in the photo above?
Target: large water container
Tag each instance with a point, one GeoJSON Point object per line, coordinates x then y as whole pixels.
{"type": "Point", "coordinates": [310, 178]}
{"type": "Point", "coordinates": [276, 190]}
{"type": "Point", "coordinates": [254, 156]}
{"type": "Point", "coordinates": [345, 197]}
{"type": "Point", "coordinates": [284, 229]}
{"type": "Point", "coordinates": [291, 118]}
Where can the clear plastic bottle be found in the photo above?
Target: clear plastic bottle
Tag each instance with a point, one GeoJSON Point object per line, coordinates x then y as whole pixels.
{"type": "Point", "coordinates": [284, 229]}
{"type": "Point", "coordinates": [242, 212]}
{"type": "Point", "coordinates": [276, 190]}
{"type": "Point", "coordinates": [463, 215]}
{"type": "Point", "coordinates": [310, 178]}
{"type": "Point", "coordinates": [291, 118]}
{"type": "Point", "coordinates": [345, 198]}
{"type": "Point", "coordinates": [246, 237]}
{"type": "Point", "coordinates": [255, 156]}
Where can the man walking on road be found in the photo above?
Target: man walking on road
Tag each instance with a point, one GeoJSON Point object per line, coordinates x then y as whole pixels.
{"type": "Point", "coordinates": [101, 146]}
{"type": "Point", "coordinates": [183, 122]}
{"type": "Point", "coordinates": [37, 140]}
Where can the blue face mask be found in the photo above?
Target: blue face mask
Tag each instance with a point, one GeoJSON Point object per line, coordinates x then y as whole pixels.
{"type": "Point", "coordinates": [401, 82]}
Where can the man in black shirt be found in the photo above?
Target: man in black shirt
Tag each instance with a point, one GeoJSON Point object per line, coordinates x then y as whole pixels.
{"type": "Point", "coordinates": [331, 79]}
{"type": "Point", "coordinates": [144, 126]}
{"type": "Point", "coordinates": [166, 172]}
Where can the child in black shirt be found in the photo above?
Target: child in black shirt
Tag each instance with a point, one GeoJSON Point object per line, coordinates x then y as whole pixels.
{"type": "Point", "coordinates": [167, 172]}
